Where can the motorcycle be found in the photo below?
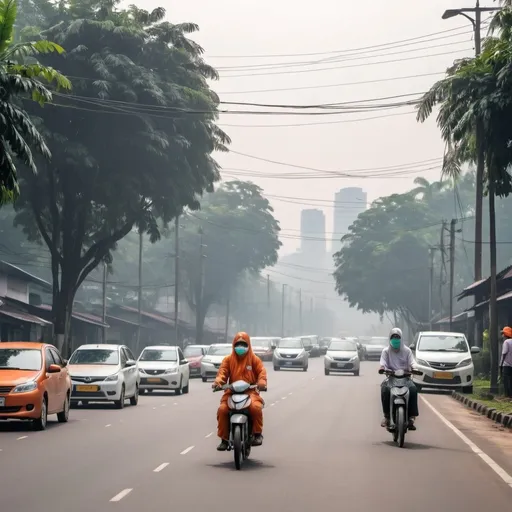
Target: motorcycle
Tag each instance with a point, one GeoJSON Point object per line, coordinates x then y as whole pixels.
{"type": "Point", "coordinates": [399, 403]}
{"type": "Point", "coordinates": [240, 423]}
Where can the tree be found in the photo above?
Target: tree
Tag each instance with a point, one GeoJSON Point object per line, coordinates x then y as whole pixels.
{"type": "Point", "coordinates": [21, 80]}
{"type": "Point", "coordinates": [234, 233]}
{"type": "Point", "coordinates": [383, 264]}
{"type": "Point", "coordinates": [476, 93]}
{"type": "Point", "coordinates": [132, 145]}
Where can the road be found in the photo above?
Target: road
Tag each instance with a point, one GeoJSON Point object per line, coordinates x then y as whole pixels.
{"type": "Point", "coordinates": [323, 447]}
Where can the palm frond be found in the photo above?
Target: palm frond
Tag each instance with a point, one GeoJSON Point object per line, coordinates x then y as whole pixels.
{"type": "Point", "coordinates": [8, 12]}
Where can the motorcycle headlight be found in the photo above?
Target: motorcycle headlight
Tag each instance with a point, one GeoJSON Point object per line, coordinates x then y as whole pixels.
{"type": "Point", "coordinates": [112, 378]}
{"type": "Point", "coordinates": [422, 362]}
{"type": "Point", "coordinates": [25, 388]}
{"type": "Point", "coordinates": [465, 362]}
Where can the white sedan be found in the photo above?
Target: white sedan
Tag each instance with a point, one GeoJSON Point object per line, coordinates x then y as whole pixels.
{"type": "Point", "coordinates": [164, 368]}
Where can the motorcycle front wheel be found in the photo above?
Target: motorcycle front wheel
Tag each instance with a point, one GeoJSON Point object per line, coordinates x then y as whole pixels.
{"type": "Point", "coordinates": [237, 446]}
{"type": "Point", "coordinates": [400, 426]}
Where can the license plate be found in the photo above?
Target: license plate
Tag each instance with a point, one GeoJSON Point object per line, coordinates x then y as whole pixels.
{"type": "Point", "coordinates": [341, 365]}
{"type": "Point", "coordinates": [288, 363]}
{"type": "Point", "coordinates": [443, 375]}
{"type": "Point", "coordinates": [154, 380]}
{"type": "Point", "coordinates": [87, 389]}
{"type": "Point", "coordinates": [2, 401]}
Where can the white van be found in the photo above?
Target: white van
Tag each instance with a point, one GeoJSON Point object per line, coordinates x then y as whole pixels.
{"type": "Point", "coordinates": [445, 360]}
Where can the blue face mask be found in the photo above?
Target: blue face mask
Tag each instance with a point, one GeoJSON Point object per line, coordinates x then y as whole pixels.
{"type": "Point", "coordinates": [395, 343]}
{"type": "Point", "coordinates": [241, 351]}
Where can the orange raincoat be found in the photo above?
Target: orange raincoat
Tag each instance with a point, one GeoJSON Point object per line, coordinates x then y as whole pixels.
{"type": "Point", "coordinates": [248, 368]}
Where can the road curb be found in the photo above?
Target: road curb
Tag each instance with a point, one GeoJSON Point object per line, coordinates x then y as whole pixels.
{"type": "Point", "coordinates": [504, 420]}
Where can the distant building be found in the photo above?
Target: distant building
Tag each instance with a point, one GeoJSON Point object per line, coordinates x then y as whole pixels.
{"type": "Point", "coordinates": [348, 204]}
{"type": "Point", "coordinates": [312, 231]}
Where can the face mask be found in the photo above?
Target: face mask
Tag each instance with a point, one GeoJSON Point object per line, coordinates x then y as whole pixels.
{"type": "Point", "coordinates": [241, 351]}
{"type": "Point", "coordinates": [395, 343]}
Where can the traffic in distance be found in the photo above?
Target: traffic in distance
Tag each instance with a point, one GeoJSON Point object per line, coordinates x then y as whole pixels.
{"type": "Point", "coordinates": [36, 382]}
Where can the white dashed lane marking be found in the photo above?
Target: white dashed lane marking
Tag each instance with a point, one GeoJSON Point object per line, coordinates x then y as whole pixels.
{"type": "Point", "coordinates": [208, 435]}
{"type": "Point", "coordinates": [186, 450]}
{"type": "Point", "coordinates": [22, 437]}
{"type": "Point", "coordinates": [121, 495]}
{"type": "Point", "coordinates": [159, 468]}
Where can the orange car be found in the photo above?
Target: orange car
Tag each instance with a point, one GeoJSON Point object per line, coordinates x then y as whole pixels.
{"type": "Point", "coordinates": [34, 382]}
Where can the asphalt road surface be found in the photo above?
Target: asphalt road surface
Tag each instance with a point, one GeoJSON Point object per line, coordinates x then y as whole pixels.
{"type": "Point", "coordinates": [323, 449]}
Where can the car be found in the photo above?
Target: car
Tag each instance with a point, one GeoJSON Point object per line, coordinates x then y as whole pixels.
{"type": "Point", "coordinates": [164, 368]}
{"type": "Point", "coordinates": [374, 346]}
{"type": "Point", "coordinates": [194, 355]}
{"type": "Point", "coordinates": [312, 344]}
{"type": "Point", "coordinates": [342, 356]}
{"type": "Point", "coordinates": [324, 343]}
{"type": "Point", "coordinates": [34, 382]}
{"type": "Point", "coordinates": [290, 353]}
{"type": "Point", "coordinates": [445, 360]}
{"type": "Point", "coordinates": [211, 361]}
{"type": "Point", "coordinates": [262, 347]}
{"type": "Point", "coordinates": [104, 373]}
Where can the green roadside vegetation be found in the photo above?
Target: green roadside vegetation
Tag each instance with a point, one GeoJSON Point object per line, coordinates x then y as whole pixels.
{"type": "Point", "coordinates": [481, 394]}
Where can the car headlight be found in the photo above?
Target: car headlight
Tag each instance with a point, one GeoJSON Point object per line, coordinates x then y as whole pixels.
{"type": "Point", "coordinates": [25, 388]}
{"type": "Point", "coordinates": [353, 358]}
{"type": "Point", "coordinates": [465, 362]}
{"type": "Point", "coordinates": [422, 362]}
{"type": "Point", "coordinates": [327, 356]}
{"type": "Point", "coordinates": [276, 353]}
{"type": "Point", "coordinates": [171, 370]}
{"type": "Point", "coordinates": [301, 354]}
{"type": "Point", "coordinates": [112, 378]}
{"type": "Point", "coordinates": [207, 361]}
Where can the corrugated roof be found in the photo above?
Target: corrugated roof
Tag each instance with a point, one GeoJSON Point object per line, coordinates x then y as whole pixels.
{"type": "Point", "coordinates": [154, 316]}
{"type": "Point", "coordinates": [83, 317]}
{"type": "Point", "coordinates": [13, 270]}
{"type": "Point", "coordinates": [24, 317]}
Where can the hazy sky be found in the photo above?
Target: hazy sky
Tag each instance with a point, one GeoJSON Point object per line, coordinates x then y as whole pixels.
{"type": "Point", "coordinates": [245, 28]}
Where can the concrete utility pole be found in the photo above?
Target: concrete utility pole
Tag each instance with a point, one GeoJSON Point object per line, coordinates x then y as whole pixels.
{"type": "Point", "coordinates": [267, 323]}
{"type": "Point", "coordinates": [226, 329]}
{"type": "Point", "coordinates": [430, 286]}
{"type": "Point", "coordinates": [300, 312]}
{"type": "Point", "coordinates": [104, 315]}
{"type": "Point", "coordinates": [452, 267]}
{"type": "Point", "coordinates": [282, 310]}
{"type": "Point", "coordinates": [199, 307]}
{"type": "Point", "coordinates": [176, 275]}
{"type": "Point", "coordinates": [139, 294]}
{"type": "Point", "coordinates": [480, 160]}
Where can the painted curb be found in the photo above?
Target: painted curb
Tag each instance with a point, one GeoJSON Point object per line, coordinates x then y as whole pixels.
{"type": "Point", "coordinates": [494, 415]}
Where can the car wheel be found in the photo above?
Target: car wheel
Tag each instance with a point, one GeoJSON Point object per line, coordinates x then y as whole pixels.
{"type": "Point", "coordinates": [134, 400]}
{"type": "Point", "coordinates": [467, 389]}
{"type": "Point", "coordinates": [204, 379]}
{"type": "Point", "coordinates": [186, 388]}
{"type": "Point", "coordinates": [418, 387]}
{"type": "Point", "coordinates": [63, 416]}
{"type": "Point", "coordinates": [326, 371]}
{"type": "Point", "coordinates": [305, 369]}
{"type": "Point", "coordinates": [120, 403]}
{"type": "Point", "coordinates": [277, 368]}
{"type": "Point", "coordinates": [41, 422]}
{"type": "Point", "coordinates": [180, 389]}
{"type": "Point", "coordinates": [356, 373]}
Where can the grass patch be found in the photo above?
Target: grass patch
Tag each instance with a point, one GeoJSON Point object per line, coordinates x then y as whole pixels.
{"type": "Point", "coordinates": [481, 394]}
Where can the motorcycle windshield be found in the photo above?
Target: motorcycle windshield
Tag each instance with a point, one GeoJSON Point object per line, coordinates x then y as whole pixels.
{"type": "Point", "coordinates": [240, 386]}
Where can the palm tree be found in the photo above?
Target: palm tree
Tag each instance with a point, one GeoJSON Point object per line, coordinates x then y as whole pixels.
{"type": "Point", "coordinates": [20, 80]}
{"type": "Point", "coordinates": [426, 189]}
{"type": "Point", "coordinates": [476, 92]}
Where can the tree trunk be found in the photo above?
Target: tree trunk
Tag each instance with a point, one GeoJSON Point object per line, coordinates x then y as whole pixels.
{"type": "Point", "coordinates": [493, 310]}
{"type": "Point", "coordinates": [62, 309]}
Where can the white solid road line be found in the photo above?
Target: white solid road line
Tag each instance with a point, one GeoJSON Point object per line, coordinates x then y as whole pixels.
{"type": "Point", "coordinates": [208, 435]}
{"type": "Point", "coordinates": [184, 452]}
{"type": "Point", "coordinates": [121, 495]}
{"type": "Point", "coordinates": [22, 437]}
{"type": "Point", "coordinates": [159, 468]}
{"type": "Point", "coordinates": [283, 398]}
{"type": "Point", "coordinates": [109, 425]}
{"type": "Point", "coordinates": [490, 462]}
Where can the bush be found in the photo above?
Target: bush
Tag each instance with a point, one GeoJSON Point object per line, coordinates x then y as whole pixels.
{"type": "Point", "coordinates": [482, 364]}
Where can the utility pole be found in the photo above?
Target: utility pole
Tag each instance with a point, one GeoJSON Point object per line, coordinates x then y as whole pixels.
{"type": "Point", "coordinates": [176, 275]}
{"type": "Point", "coordinates": [452, 267]}
{"type": "Point", "coordinates": [104, 315]}
{"type": "Point", "coordinates": [430, 286]}
{"type": "Point", "coordinates": [300, 312]}
{"type": "Point", "coordinates": [199, 308]}
{"type": "Point", "coordinates": [139, 294]}
{"type": "Point", "coordinates": [226, 330]}
{"type": "Point", "coordinates": [268, 305]}
{"type": "Point", "coordinates": [282, 310]}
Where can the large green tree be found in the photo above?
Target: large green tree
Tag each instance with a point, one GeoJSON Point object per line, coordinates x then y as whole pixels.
{"type": "Point", "coordinates": [131, 145]}
{"type": "Point", "coordinates": [21, 79]}
{"type": "Point", "coordinates": [235, 232]}
{"type": "Point", "coordinates": [476, 95]}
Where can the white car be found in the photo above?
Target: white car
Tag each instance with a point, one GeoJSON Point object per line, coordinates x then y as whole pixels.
{"type": "Point", "coordinates": [164, 368]}
{"type": "Point", "coordinates": [104, 373]}
{"type": "Point", "coordinates": [210, 363]}
{"type": "Point", "coordinates": [445, 360]}
{"type": "Point", "coordinates": [342, 356]}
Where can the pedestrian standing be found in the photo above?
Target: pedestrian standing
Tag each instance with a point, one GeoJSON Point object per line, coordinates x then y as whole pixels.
{"type": "Point", "coordinates": [506, 361]}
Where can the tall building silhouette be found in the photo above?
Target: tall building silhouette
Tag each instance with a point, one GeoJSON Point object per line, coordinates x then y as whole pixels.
{"type": "Point", "coordinates": [312, 231]}
{"type": "Point", "coordinates": [348, 204]}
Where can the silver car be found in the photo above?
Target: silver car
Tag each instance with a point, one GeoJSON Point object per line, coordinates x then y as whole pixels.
{"type": "Point", "coordinates": [290, 353]}
{"type": "Point", "coordinates": [210, 363]}
{"type": "Point", "coordinates": [374, 346]}
{"type": "Point", "coordinates": [342, 356]}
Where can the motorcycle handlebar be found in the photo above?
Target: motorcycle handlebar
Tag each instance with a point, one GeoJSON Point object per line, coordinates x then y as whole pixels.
{"type": "Point", "coordinates": [406, 374]}
{"type": "Point", "coordinates": [228, 386]}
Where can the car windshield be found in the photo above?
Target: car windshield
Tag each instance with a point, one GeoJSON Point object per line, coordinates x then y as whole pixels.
{"type": "Point", "coordinates": [151, 354]}
{"type": "Point", "coordinates": [95, 356]}
{"type": "Point", "coordinates": [348, 346]}
{"type": "Point", "coordinates": [262, 343]}
{"type": "Point", "coordinates": [376, 341]}
{"type": "Point", "coordinates": [219, 351]}
{"type": "Point", "coordinates": [193, 351]}
{"type": "Point", "coordinates": [29, 359]}
{"type": "Point", "coordinates": [290, 343]}
{"type": "Point", "coordinates": [443, 343]}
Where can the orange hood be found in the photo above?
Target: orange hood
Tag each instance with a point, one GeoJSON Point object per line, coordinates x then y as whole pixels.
{"type": "Point", "coordinates": [242, 336]}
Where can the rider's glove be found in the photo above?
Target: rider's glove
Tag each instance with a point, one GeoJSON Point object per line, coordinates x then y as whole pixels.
{"type": "Point", "coordinates": [262, 387]}
{"type": "Point", "coordinates": [215, 386]}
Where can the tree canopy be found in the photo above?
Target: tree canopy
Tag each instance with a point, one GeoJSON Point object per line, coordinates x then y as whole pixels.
{"type": "Point", "coordinates": [132, 144]}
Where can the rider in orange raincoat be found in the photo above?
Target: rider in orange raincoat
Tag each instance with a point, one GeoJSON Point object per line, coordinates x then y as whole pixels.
{"type": "Point", "coordinates": [241, 364]}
